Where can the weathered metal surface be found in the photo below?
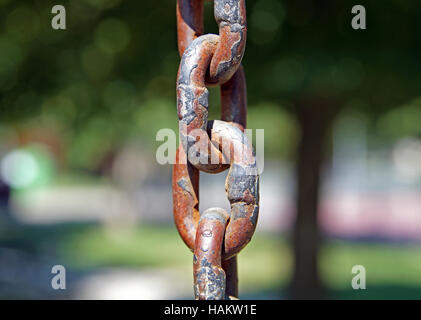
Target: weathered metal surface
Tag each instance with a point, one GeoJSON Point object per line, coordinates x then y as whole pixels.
{"type": "Point", "coordinates": [185, 188]}
{"type": "Point", "coordinates": [209, 277]}
{"type": "Point", "coordinates": [234, 100]}
{"type": "Point", "coordinates": [231, 277]}
{"type": "Point", "coordinates": [192, 105]}
{"type": "Point", "coordinates": [241, 186]}
{"type": "Point", "coordinates": [215, 237]}
{"type": "Point", "coordinates": [189, 22]}
{"type": "Point", "coordinates": [231, 18]}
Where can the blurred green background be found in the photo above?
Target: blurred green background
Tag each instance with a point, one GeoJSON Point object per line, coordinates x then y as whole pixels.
{"type": "Point", "coordinates": [79, 113]}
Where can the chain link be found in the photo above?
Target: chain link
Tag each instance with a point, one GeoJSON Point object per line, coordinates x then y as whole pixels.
{"type": "Point", "coordinates": [214, 236]}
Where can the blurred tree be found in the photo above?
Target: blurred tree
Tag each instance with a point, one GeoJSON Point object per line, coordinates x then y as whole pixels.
{"type": "Point", "coordinates": [305, 55]}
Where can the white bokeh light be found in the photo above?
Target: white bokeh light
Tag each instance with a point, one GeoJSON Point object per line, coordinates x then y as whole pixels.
{"type": "Point", "coordinates": [407, 158]}
{"type": "Point", "coordinates": [19, 169]}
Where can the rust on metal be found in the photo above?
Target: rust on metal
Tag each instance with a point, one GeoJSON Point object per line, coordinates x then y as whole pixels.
{"type": "Point", "coordinates": [189, 22]}
{"type": "Point", "coordinates": [185, 188]}
{"type": "Point", "coordinates": [231, 18]}
{"type": "Point", "coordinates": [215, 237]}
{"type": "Point", "coordinates": [231, 277]}
{"type": "Point", "coordinates": [209, 277]}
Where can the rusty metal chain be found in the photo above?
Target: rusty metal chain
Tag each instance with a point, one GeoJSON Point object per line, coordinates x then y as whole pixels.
{"type": "Point", "coordinates": [214, 236]}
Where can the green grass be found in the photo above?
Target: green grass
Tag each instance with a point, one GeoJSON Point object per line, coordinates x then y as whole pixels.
{"type": "Point", "coordinates": [264, 263]}
{"type": "Point", "coordinates": [393, 271]}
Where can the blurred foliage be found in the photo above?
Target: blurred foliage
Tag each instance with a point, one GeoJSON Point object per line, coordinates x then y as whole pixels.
{"type": "Point", "coordinates": [312, 50]}
{"type": "Point", "coordinates": [110, 77]}
{"type": "Point", "coordinates": [401, 121]}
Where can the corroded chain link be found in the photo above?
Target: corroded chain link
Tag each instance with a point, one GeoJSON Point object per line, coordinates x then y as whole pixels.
{"type": "Point", "coordinates": [214, 236]}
